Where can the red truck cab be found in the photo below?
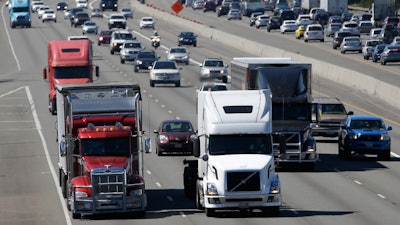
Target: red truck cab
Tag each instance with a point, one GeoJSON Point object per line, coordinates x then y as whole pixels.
{"type": "Point", "coordinates": [69, 62]}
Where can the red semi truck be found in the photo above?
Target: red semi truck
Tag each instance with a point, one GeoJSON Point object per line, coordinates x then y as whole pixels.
{"type": "Point", "coordinates": [69, 62]}
{"type": "Point", "coordinates": [99, 134]}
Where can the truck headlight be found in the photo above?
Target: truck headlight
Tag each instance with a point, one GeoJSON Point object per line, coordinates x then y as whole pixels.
{"type": "Point", "coordinates": [139, 62]}
{"type": "Point", "coordinates": [136, 192]}
{"type": "Point", "coordinates": [211, 189]}
{"type": "Point", "coordinates": [353, 136]}
{"type": "Point", "coordinates": [81, 194]}
{"type": "Point", "coordinates": [274, 188]}
{"type": "Point", "coordinates": [384, 137]}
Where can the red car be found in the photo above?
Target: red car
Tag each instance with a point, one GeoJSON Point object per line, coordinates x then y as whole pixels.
{"type": "Point", "coordinates": [173, 136]}
{"type": "Point", "coordinates": [104, 37]}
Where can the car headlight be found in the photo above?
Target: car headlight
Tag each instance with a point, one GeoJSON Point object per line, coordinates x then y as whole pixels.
{"type": "Point", "coordinates": [206, 71]}
{"type": "Point", "coordinates": [139, 62]}
{"type": "Point", "coordinates": [211, 189]}
{"type": "Point", "coordinates": [181, 39]}
{"type": "Point", "coordinates": [185, 57]}
{"type": "Point", "coordinates": [172, 57]}
{"type": "Point", "coordinates": [80, 194]}
{"type": "Point", "coordinates": [384, 137]}
{"type": "Point", "coordinates": [163, 138]}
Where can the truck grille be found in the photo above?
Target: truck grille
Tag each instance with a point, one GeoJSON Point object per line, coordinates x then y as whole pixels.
{"type": "Point", "coordinates": [108, 183]}
{"type": "Point", "coordinates": [369, 138]}
{"type": "Point", "coordinates": [243, 181]}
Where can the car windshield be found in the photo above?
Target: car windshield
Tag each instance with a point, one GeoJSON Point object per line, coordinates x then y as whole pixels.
{"type": "Point", "coordinates": [177, 127]}
{"type": "Point", "coordinates": [108, 32]}
{"type": "Point", "coordinates": [146, 55]}
{"type": "Point", "coordinates": [367, 124]}
{"type": "Point", "coordinates": [71, 72]}
{"type": "Point", "coordinates": [124, 36]}
{"type": "Point", "coordinates": [213, 63]}
{"type": "Point", "coordinates": [352, 39]}
{"type": "Point", "coordinates": [187, 34]}
{"type": "Point", "coordinates": [333, 109]}
{"type": "Point", "coordinates": [314, 28]}
{"type": "Point", "coordinates": [178, 50]}
{"type": "Point", "coordinates": [90, 24]}
{"type": "Point", "coordinates": [351, 25]}
{"type": "Point", "coordinates": [132, 45]}
{"type": "Point", "coordinates": [126, 10]}
{"type": "Point", "coordinates": [106, 146]}
{"type": "Point", "coordinates": [117, 17]}
{"type": "Point", "coordinates": [239, 144]}
{"type": "Point", "coordinates": [165, 65]}
{"type": "Point", "coordinates": [148, 19]}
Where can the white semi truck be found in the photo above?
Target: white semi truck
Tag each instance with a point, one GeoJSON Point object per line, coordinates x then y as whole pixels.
{"type": "Point", "coordinates": [235, 168]}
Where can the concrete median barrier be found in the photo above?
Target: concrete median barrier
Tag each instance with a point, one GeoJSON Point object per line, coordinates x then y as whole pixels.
{"type": "Point", "coordinates": [350, 78]}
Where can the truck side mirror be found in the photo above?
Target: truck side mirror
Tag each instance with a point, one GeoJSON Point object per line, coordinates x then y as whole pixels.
{"type": "Point", "coordinates": [350, 113]}
{"type": "Point", "coordinates": [196, 145]}
{"type": "Point", "coordinates": [63, 148]}
{"type": "Point", "coordinates": [147, 145]}
{"type": "Point", "coordinates": [44, 73]}
{"type": "Point", "coordinates": [97, 71]}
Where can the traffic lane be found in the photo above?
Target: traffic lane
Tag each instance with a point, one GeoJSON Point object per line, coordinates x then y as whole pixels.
{"type": "Point", "coordinates": [8, 65]}
{"type": "Point", "coordinates": [28, 189]}
{"type": "Point", "coordinates": [274, 38]}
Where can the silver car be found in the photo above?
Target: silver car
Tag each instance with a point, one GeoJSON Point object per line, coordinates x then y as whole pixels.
{"type": "Point", "coordinates": [129, 50]}
{"type": "Point", "coordinates": [350, 44]}
{"type": "Point", "coordinates": [261, 21]}
{"type": "Point", "coordinates": [127, 12]}
{"type": "Point", "coordinates": [90, 27]}
{"type": "Point", "coordinates": [165, 71]}
{"type": "Point", "coordinates": [352, 27]}
{"type": "Point", "coordinates": [178, 54]}
{"type": "Point", "coordinates": [331, 28]}
{"type": "Point", "coordinates": [96, 12]}
{"type": "Point", "coordinates": [214, 68]}
{"type": "Point", "coordinates": [368, 48]}
{"type": "Point", "coordinates": [234, 14]}
{"type": "Point", "coordinates": [314, 32]}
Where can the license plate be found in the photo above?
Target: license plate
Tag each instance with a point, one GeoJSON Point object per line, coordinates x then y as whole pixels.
{"type": "Point", "coordinates": [369, 145]}
{"type": "Point", "coordinates": [178, 145]}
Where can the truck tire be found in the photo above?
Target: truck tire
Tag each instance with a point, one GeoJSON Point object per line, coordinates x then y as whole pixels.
{"type": "Point", "coordinates": [198, 197]}
{"type": "Point", "coordinates": [76, 215]}
{"type": "Point", "coordinates": [225, 79]}
{"type": "Point", "coordinates": [210, 212]}
{"type": "Point", "coordinates": [135, 69]}
{"type": "Point", "coordinates": [52, 107]}
{"type": "Point", "coordinates": [384, 156]}
{"type": "Point", "coordinates": [189, 182]}
{"type": "Point", "coordinates": [271, 211]}
{"type": "Point", "coordinates": [178, 83]}
{"type": "Point", "coordinates": [343, 152]}
{"type": "Point", "coordinates": [151, 83]}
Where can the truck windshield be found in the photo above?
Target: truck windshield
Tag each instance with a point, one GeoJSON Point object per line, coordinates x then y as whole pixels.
{"type": "Point", "coordinates": [20, 9]}
{"type": "Point", "coordinates": [240, 144]}
{"type": "Point", "coordinates": [72, 72]}
{"type": "Point", "coordinates": [105, 146]}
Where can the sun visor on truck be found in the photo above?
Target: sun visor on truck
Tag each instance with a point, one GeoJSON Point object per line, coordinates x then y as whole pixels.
{"type": "Point", "coordinates": [286, 84]}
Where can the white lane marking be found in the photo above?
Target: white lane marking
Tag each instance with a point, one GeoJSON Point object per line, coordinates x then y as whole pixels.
{"type": "Point", "coordinates": [46, 151]}
{"type": "Point", "coordinates": [395, 155]}
{"type": "Point", "coordinates": [294, 211]}
{"type": "Point", "coordinates": [182, 214]}
{"type": "Point", "coordinates": [148, 172]}
{"type": "Point", "coordinates": [382, 196]}
{"type": "Point", "coordinates": [158, 184]}
{"type": "Point", "coordinates": [9, 38]}
{"type": "Point", "coordinates": [357, 182]}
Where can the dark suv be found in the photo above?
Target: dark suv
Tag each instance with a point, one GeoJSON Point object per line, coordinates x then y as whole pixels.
{"type": "Point", "coordinates": [79, 19]}
{"type": "Point", "coordinates": [108, 4]}
{"type": "Point", "coordinates": [209, 6]}
{"type": "Point", "coordinates": [187, 38]}
{"type": "Point", "coordinates": [338, 38]}
{"type": "Point", "coordinates": [144, 59]}
{"type": "Point", "coordinates": [274, 23]}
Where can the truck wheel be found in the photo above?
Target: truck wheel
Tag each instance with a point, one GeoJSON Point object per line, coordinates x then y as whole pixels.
{"type": "Point", "coordinates": [225, 79]}
{"type": "Point", "coordinates": [384, 156]}
{"type": "Point", "coordinates": [76, 215]}
{"type": "Point", "coordinates": [198, 197]}
{"type": "Point", "coordinates": [189, 182]}
{"type": "Point", "coordinates": [210, 212]}
{"type": "Point", "coordinates": [151, 83]}
{"type": "Point", "coordinates": [159, 153]}
{"type": "Point", "coordinates": [344, 153]}
{"type": "Point", "coordinates": [271, 211]}
{"type": "Point", "coordinates": [112, 52]}
{"type": "Point", "coordinates": [122, 61]}
{"type": "Point", "coordinates": [52, 107]}
{"type": "Point", "coordinates": [135, 69]}
{"type": "Point", "coordinates": [178, 83]}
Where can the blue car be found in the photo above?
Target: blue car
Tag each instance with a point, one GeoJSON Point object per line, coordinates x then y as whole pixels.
{"type": "Point", "coordinates": [364, 135]}
{"type": "Point", "coordinates": [376, 54]}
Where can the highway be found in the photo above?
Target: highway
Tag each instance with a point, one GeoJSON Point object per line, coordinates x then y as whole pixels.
{"type": "Point", "coordinates": [360, 191]}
